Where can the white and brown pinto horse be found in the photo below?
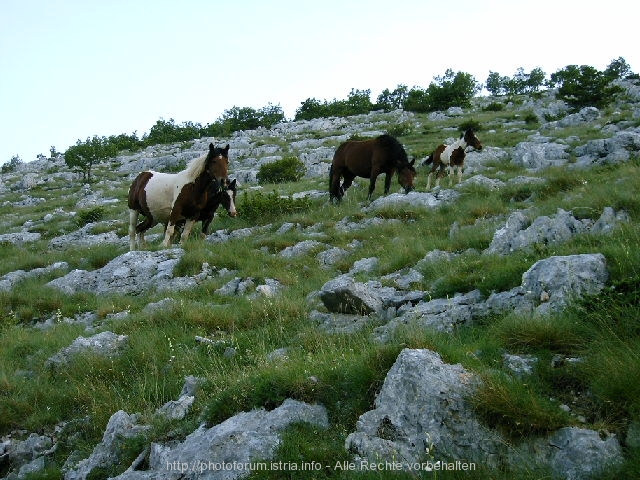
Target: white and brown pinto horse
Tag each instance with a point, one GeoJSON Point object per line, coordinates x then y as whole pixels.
{"type": "Point", "coordinates": [169, 198]}
{"type": "Point", "coordinates": [451, 157]}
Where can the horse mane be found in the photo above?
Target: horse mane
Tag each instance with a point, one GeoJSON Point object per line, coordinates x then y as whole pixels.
{"type": "Point", "coordinates": [195, 167]}
{"type": "Point", "coordinates": [392, 145]}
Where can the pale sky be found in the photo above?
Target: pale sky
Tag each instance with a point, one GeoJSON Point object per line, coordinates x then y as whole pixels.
{"type": "Point", "coordinates": [71, 69]}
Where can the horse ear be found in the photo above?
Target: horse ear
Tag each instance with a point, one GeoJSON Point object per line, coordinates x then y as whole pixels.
{"type": "Point", "coordinates": [412, 161]}
{"type": "Point", "coordinates": [226, 149]}
{"type": "Point", "coordinates": [233, 184]}
{"type": "Point", "coordinates": [211, 147]}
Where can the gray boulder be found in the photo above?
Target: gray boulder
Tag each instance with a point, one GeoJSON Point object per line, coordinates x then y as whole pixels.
{"type": "Point", "coordinates": [556, 280]}
{"type": "Point", "coordinates": [131, 274]}
{"type": "Point", "coordinates": [20, 238]}
{"type": "Point", "coordinates": [84, 238]}
{"type": "Point", "coordinates": [105, 343]}
{"type": "Point", "coordinates": [422, 410]}
{"type": "Point", "coordinates": [302, 248]}
{"type": "Point", "coordinates": [616, 149]}
{"type": "Point", "coordinates": [414, 199]}
{"type": "Point", "coordinates": [344, 295]}
{"type": "Point", "coordinates": [517, 234]}
{"type": "Point", "coordinates": [578, 453]}
{"type": "Point", "coordinates": [226, 450]}
{"type": "Point", "coordinates": [443, 314]}
{"type": "Point", "coordinates": [423, 414]}
{"type": "Point", "coordinates": [548, 286]}
{"type": "Point", "coordinates": [536, 156]}
{"type": "Point", "coordinates": [120, 427]}
{"type": "Point", "coordinates": [585, 115]}
{"type": "Point", "coordinates": [9, 280]}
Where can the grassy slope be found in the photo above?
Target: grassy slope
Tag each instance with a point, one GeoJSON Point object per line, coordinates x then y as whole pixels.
{"type": "Point", "coordinates": [343, 372]}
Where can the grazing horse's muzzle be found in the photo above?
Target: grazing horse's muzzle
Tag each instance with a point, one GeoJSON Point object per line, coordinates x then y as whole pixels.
{"type": "Point", "coordinates": [409, 188]}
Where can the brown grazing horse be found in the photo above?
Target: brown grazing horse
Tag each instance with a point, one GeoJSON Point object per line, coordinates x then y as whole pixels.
{"type": "Point", "coordinates": [451, 156]}
{"type": "Point", "coordinates": [169, 198]}
{"type": "Point", "coordinates": [368, 159]}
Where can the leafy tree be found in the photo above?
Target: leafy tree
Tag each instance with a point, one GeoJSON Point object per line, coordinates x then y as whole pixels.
{"type": "Point", "coordinates": [494, 83]}
{"type": "Point", "coordinates": [582, 86]}
{"type": "Point", "coordinates": [452, 90]}
{"type": "Point", "coordinates": [618, 68]}
{"type": "Point", "coordinates": [358, 101]}
{"type": "Point", "coordinates": [309, 109]}
{"type": "Point", "coordinates": [83, 155]}
{"type": "Point", "coordinates": [519, 84]}
{"type": "Point", "coordinates": [389, 101]}
{"type": "Point", "coordinates": [12, 164]}
{"type": "Point", "coordinates": [168, 132]}
{"type": "Point", "coordinates": [270, 115]}
{"type": "Point", "coordinates": [417, 100]}
{"type": "Point", "coordinates": [535, 80]}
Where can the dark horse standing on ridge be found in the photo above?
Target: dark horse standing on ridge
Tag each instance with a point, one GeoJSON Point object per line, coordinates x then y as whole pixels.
{"type": "Point", "coordinates": [368, 159]}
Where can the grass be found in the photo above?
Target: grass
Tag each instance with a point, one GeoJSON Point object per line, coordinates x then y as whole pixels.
{"type": "Point", "coordinates": [343, 372]}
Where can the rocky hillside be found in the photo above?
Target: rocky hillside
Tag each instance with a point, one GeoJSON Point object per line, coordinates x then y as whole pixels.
{"type": "Point", "coordinates": [483, 329]}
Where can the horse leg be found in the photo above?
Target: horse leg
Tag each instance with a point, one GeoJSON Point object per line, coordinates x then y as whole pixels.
{"type": "Point", "coordinates": [387, 182]}
{"type": "Point", "coordinates": [348, 180]}
{"type": "Point", "coordinates": [205, 226]}
{"type": "Point", "coordinates": [441, 173]}
{"type": "Point", "coordinates": [133, 219]}
{"type": "Point", "coordinates": [187, 230]}
{"type": "Point", "coordinates": [372, 181]}
{"type": "Point", "coordinates": [168, 234]}
{"type": "Point", "coordinates": [334, 185]}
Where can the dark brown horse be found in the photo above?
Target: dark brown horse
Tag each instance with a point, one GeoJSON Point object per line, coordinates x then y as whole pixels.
{"type": "Point", "coordinates": [225, 196]}
{"type": "Point", "coordinates": [368, 159]}
{"type": "Point", "coordinates": [169, 198]}
{"type": "Point", "coordinates": [451, 156]}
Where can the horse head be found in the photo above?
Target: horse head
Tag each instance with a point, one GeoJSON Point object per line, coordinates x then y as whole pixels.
{"type": "Point", "coordinates": [217, 165]}
{"type": "Point", "coordinates": [406, 174]}
{"type": "Point", "coordinates": [471, 139]}
{"type": "Point", "coordinates": [229, 197]}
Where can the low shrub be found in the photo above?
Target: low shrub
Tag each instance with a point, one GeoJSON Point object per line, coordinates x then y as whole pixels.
{"type": "Point", "coordinates": [289, 169]}
{"type": "Point", "coordinates": [259, 206]}
{"type": "Point", "coordinates": [90, 215]}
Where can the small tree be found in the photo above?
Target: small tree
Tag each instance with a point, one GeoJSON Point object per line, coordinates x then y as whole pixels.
{"type": "Point", "coordinates": [83, 155]}
{"type": "Point", "coordinates": [389, 101]}
{"type": "Point", "coordinates": [494, 84]}
{"type": "Point", "coordinates": [417, 100]}
{"type": "Point", "coordinates": [583, 86]}
{"type": "Point", "coordinates": [452, 90]}
{"type": "Point", "coordinates": [12, 164]}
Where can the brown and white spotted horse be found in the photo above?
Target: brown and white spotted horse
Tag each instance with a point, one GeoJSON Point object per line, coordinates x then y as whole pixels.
{"type": "Point", "coordinates": [169, 198]}
{"type": "Point", "coordinates": [451, 157]}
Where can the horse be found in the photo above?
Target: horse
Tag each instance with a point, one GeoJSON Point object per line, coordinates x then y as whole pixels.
{"type": "Point", "coordinates": [168, 198]}
{"type": "Point", "coordinates": [225, 196]}
{"type": "Point", "coordinates": [368, 159]}
{"type": "Point", "coordinates": [451, 156]}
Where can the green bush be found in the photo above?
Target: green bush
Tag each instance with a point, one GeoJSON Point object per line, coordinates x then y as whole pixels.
{"type": "Point", "coordinates": [90, 215]}
{"type": "Point", "coordinates": [400, 129]}
{"type": "Point", "coordinates": [289, 169]}
{"type": "Point", "coordinates": [494, 107]}
{"type": "Point", "coordinates": [259, 206]}
{"type": "Point", "coordinates": [12, 164]}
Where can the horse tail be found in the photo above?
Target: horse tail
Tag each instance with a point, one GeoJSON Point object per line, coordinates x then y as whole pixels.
{"type": "Point", "coordinates": [330, 176]}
